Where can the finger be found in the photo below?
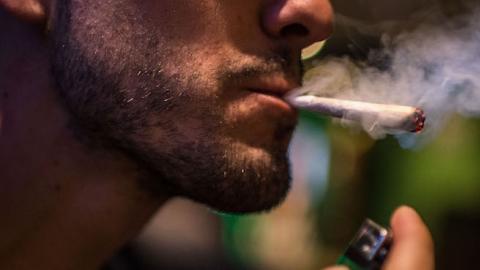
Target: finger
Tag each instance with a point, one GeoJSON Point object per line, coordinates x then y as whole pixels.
{"type": "Point", "coordinates": [412, 243]}
{"type": "Point", "coordinates": [338, 267]}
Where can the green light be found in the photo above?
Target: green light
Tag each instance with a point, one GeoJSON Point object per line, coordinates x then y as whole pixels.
{"type": "Point", "coordinates": [312, 50]}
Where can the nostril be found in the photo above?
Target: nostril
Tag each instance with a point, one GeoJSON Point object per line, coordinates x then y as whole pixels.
{"type": "Point", "coordinates": [295, 29]}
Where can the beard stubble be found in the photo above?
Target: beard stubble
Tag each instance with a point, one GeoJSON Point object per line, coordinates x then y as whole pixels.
{"type": "Point", "coordinates": [123, 101]}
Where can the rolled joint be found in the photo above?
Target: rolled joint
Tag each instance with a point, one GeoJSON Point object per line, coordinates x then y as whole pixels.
{"type": "Point", "coordinates": [387, 116]}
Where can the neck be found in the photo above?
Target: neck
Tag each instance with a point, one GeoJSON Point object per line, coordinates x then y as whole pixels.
{"type": "Point", "coordinates": [63, 205]}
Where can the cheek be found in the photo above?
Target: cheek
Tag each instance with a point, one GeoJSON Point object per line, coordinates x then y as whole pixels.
{"type": "Point", "coordinates": [182, 21]}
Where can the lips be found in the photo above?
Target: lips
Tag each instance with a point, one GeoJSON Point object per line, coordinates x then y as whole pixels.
{"type": "Point", "coordinates": [259, 110]}
{"type": "Point", "coordinates": [273, 90]}
{"type": "Point", "coordinates": [273, 86]}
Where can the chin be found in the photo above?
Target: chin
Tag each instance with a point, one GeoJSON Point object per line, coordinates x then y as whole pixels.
{"type": "Point", "coordinates": [249, 181]}
{"type": "Point", "coordinates": [258, 199]}
{"type": "Point", "coordinates": [225, 173]}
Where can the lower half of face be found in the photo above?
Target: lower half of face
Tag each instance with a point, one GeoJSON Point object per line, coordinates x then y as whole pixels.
{"type": "Point", "coordinates": [188, 121]}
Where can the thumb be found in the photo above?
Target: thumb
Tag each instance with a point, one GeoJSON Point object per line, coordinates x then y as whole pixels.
{"type": "Point", "coordinates": [337, 268]}
{"type": "Point", "coordinates": [412, 243]}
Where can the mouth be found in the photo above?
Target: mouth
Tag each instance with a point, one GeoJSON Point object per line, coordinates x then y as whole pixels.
{"type": "Point", "coordinates": [272, 90]}
{"type": "Point", "coordinates": [273, 99]}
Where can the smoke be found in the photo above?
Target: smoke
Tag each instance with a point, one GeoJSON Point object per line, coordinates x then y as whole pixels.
{"type": "Point", "coordinates": [435, 66]}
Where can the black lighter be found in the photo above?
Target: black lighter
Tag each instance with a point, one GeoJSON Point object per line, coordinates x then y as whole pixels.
{"type": "Point", "coordinates": [368, 249]}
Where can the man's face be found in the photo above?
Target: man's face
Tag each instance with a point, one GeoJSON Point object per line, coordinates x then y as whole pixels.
{"type": "Point", "coordinates": [188, 89]}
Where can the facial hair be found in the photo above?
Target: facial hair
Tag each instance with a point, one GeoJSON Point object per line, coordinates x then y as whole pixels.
{"type": "Point", "coordinates": [122, 97]}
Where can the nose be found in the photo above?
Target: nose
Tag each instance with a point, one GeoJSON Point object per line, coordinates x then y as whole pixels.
{"type": "Point", "coordinates": [298, 22]}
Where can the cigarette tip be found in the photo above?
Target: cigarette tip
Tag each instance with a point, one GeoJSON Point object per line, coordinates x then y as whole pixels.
{"type": "Point", "coordinates": [419, 119]}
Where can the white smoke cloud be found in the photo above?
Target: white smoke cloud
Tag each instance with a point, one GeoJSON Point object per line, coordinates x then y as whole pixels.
{"type": "Point", "coordinates": [435, 66]}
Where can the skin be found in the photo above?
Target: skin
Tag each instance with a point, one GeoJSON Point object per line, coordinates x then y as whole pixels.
{"type": "Point", "coordinates": [110, 108]}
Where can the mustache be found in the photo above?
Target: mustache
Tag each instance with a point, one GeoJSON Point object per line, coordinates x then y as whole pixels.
{"type": "Point", "coordinates": [281, 63]}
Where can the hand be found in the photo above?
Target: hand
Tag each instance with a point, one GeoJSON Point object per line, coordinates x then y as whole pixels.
{"type": "Point", "coordinates": [412, 243]}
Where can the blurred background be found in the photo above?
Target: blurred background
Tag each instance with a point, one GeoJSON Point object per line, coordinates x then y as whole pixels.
{"type": "Point", "coordinates": [340, 176]}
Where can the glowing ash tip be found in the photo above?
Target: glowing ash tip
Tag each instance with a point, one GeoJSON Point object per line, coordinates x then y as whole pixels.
{"type": "Point", "coordinates": [419, 118]}
{"type": "Point", "coordinates": [390, 117]}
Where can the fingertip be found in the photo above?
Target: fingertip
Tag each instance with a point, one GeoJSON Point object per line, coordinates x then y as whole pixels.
{"type": "Point", "coordinates": [405, 220]}
{"type": "Point", "coordinates": [404, 211]}
{"type": "Point", "coordinates": [339, 267]}
{"type": "Point", "coordinates": [412, 241]}
{"type": "Point", "coordinates": [402, 214]}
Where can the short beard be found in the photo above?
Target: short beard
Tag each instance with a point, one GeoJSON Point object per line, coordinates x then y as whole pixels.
{"type": "Point", "coordinates": [116, 103]}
